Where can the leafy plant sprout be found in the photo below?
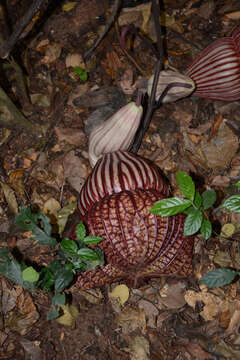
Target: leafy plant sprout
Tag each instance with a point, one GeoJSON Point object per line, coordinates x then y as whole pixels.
{"type": "Point", "coordinates": [72, 258]}
{"type": "Point", "coordinates": [194, 206]}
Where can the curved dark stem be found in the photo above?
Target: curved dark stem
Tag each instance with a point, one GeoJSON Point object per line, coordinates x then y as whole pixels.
{"type": "Point", "coordinates": [110, 21]}
{"type": "Point", "coordinates": [6, 48]}
{"type": "Point", "coordinates": [159, 65]}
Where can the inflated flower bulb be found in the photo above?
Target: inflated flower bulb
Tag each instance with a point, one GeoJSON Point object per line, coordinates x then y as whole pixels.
{"type": "Point", "coordinates": [116, 133]}
{"type": "Point", "coordinates": [216, 70]}
{"type": "Point", "coordinates": [179, 86]}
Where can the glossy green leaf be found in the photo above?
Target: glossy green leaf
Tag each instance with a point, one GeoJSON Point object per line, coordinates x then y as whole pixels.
{"type": "Point", "coordinates": [170, 206]}
{"type": "Point", "coordinates": [52, 314]}
{"type": "Point", "coordinates": [218, 277]}
{"type": "Point", "coordinates": [69, 245]}
{"type": "Point", "coordinates": [197, 200]}
{"type": "Point", "coordinates": [81, 73]}
{"type": "Point", "coordinates": [232, 204]}
{"type": "Point", "coordinates": [87, 254]}
{"type": "Point", "coordinates": [209, 197]}
{"type": "Point", "coordinates": [237, 184]}
{"type": "Point", "coordinates": [63, 279]}
{"type": "Point", "coordinates": [59, 299]}
{"type": "Point", "coordinates": [206, 229]}
{"type": "Point", "coordinates": [30, 221]}
{"type": "Point", "coordinates": [193, 222]}
{"type": "Point", "coordinates": [92, 240]}
{"type": "Point", "coordinates": [12, 270]}
{"type": "Point", "coordinates": [80, 231]}
{"type": "Point", "coordinates": [186, 184]}
{"type": "Point", "coordinates": [30, 274]}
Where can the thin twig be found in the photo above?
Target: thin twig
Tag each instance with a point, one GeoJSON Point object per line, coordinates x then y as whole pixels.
{"type": "Point", "coordinates": [159, 65]}
{"type": "Point", "coordinates": [109, 23]}
{"type": "Point", "coordinates": [6, 48]}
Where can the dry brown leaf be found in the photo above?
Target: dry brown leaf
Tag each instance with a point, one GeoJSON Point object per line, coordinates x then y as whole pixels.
{"type": "Point", "coordinates": [223, 259]}
{"type": "Point", "coordinates": [73, 60]}
{"type": "Point", "coordinates": [212, 303]}
{"type": "Point", "coordinates": [235, 15]}
{"type": "Point", "coordinates": [75, 170]}
{"type": "Point", "coordinates": [172, 295]}
{"type": "Point", "coordinates": [21, 323]}
{"type": "Point", "coordinates": [221, 180]}
{"type": "Point", "coordinates": [150, 310]}
{"type": "Point", "coordinates": [120, 292]}
{"type": "Point", "coordinates": [16, 180]}
{"type": "Point", "coordinates": [139, 348]}
{"type": "Point", "coordinates": [94, 296]}
{"type": "Point", "coordinates": [51, 206]}
{"type": "Point", "coordinates": [10, 197]}
{"type": "Point", "coordinates": [63, 214]}
{"type": "Point", "coordinates": [31, 349]}
{"type": "Point", "coordinates": [197, 352]}
{"type": "Point", "coordinates": [40, 99]}
{"type": "Point", "coordinates": [69, 6]}
{"type": "Point", "coordinates": [70, 314]}
{"type": "Point", "coordinates": [131, 319]}
{"type": "Point", "coordinates": [72, 136]}
{"type": "Point", "coordinates": [52, 53]}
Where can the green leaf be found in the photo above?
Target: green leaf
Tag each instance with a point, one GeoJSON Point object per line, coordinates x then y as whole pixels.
{"type": "Point", "coordinates": [80, 231]}
{"type": "Point", "coordinates": [206, 229]}
{"type": "Point", "coordinates": [4, 254]}
{"type": "Point", "coordinates": [188, 210]}
{"type": "Point", "coordinates": [30, 274]}
{"type": "Point", "coordinates": [52, 314]}
{"type": "Point", "coordinates": [87, 254]}
{"type": "Point", "coordinates": [170, 206]}
{"type": "Point", "coordinates": [29, 221]}
{"type": "Point", "coordinates": [186, 184]}
{"type": "Point", "coordinates": [232, 204]}
{"type": "Point", "coordinates": [12, 270]}
{"type": "Point", "coordinates": [59, 299]}
{"type": "Point", "coordinates": [218, 277]}
{"type": "Point", "coordinates": [197, 200]}
{"type": "Point", "coordinates": [81, 73]}
{"type": "Point", "coordinates": [49, 273]}
{"type": "Point", "coordinates": [237, 184]}
{"type": "Point", "coordinates": [69, 246]}
{"type": "Point", "coordinates": [63, 279]}
{"type": "Point", "coordinates": [193, 222]}
{"type": "Point", "coordinates": [209, 197]}
{"type": "Point", "coordinates": [92, 240]}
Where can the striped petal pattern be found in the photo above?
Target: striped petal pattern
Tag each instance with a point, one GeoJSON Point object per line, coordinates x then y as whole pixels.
{"type": "Point", "coordinates": [180, 86]}
{"type": "Point", "coordinates": [114, 204]}
{"type": "Point", "coordinates": [117, 133]}
{"type": "Point", "coordinates": [216, 70]}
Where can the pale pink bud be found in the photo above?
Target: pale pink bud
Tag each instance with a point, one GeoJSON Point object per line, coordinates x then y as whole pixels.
{"type": "Point", "coordinates": [117, 133]}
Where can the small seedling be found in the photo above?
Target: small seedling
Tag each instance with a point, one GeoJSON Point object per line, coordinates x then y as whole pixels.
{"type": "Point", "coordinates": [72, 258]}
{"type": "Point", "coordinates": [81, 73]}
{"type": "Point", "coordinates": [233, 203]}
{"type": "Point", "coordinates": [194, 206]}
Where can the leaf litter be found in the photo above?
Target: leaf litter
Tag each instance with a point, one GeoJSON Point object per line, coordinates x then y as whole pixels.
{"type": "Point", "coordinates": [205, 142]}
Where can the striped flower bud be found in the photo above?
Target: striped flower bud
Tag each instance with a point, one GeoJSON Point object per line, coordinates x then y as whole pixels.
{"type": "Point", "coordinates": [117, 133]}
{"type": "Point", "coordinates": [179, 86]}
{"type": "Point", "coordinates": [216, 70]}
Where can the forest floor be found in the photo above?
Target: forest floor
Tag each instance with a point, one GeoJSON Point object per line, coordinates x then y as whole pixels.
{"type": "Point", "coordinates": [162, 318]}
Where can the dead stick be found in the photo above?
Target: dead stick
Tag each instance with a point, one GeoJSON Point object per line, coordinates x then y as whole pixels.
{"type": "Point", "coordinates": [6, 48]}
{"type": "Point", "coordinates": [109, 23]}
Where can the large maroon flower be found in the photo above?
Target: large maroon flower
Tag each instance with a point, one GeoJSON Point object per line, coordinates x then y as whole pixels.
{"type": "Point", "coordinates": [114, 203]}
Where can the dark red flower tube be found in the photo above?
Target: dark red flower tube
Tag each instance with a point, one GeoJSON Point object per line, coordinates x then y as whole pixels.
{"type": "Point", "coordinates": [216, 70]}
